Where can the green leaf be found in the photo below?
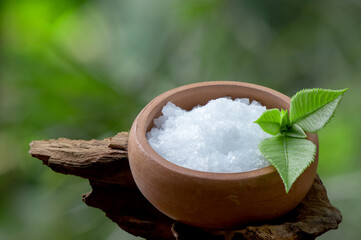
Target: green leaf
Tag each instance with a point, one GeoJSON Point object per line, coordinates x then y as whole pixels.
{"type": "Point", "coordinates": [312, 109]}
{"type": "Point", "coordinates": [285, 120]}
{"type": "Point", "coordinates": [295, 131]}
{"type": "Point", "coordinates": [290, 156]}
{"type": "Point", "coordinates": [270, 121]}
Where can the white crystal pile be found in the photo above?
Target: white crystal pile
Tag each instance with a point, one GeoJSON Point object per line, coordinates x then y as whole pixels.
{"type": "Point", "coordinates": [217, 137]}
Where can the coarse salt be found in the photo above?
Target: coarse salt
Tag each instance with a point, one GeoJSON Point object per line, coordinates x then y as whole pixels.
{"type": "Point", "coordinates": [220, 136]}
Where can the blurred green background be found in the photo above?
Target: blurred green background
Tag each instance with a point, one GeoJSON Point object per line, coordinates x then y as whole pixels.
{"type": "Point", "coordinates": [83, 69]}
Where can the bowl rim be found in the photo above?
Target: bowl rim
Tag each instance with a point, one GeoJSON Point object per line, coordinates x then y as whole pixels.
{"type": "Point", "coordinates": [141, 129]}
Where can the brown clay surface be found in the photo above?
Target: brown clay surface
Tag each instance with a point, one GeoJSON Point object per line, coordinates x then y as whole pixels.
{"type": "Point", "coordinates": [212, 200]}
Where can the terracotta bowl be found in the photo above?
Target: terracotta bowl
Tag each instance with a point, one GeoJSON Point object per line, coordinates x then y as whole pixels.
{"type": "Point", "coordinates": [212, 200]}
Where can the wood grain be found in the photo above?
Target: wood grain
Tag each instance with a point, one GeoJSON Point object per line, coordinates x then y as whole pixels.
{"type": "Point", "coordinates": [105, 164]}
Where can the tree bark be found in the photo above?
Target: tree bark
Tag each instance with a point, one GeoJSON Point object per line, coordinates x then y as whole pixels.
{"type": "Point", "coordinates": [105, 164]}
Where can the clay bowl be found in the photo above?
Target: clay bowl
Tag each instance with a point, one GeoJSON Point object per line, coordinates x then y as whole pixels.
{"type": "Point", "coordinates": [212, 200]}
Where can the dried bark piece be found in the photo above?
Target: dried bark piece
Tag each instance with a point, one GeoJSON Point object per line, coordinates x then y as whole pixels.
{"type": "Point", "coordinates": [105, 164]}
{"type": "Point", "coordinates": [130, 210]}
{"type": "Point", "coordinates": [119, 141]}
{"type": "Point", "coordinates": [92, 159]}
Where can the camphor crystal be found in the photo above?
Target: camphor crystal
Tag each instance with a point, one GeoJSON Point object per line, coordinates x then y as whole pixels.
{"type": "Point", "coordinates": [217, 137]}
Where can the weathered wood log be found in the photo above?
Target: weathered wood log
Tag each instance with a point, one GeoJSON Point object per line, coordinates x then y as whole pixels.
{"type": "Point", "coordinates": [105, 164]}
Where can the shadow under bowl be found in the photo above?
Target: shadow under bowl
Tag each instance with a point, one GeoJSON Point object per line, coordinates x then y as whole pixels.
{"type": "Point", "coordinates": [206, 199]}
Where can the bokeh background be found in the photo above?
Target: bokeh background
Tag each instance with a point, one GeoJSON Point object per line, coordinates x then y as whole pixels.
{"type": "Point", "coordinates": [83, 69]}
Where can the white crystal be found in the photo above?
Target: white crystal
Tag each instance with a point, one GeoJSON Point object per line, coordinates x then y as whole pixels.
{"type": "Point", "coordinates": [217, 137]}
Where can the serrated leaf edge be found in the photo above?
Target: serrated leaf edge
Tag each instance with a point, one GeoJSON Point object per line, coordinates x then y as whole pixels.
{"type": "Point", "coordinates": [286, 188]}
{"type": "Point", "coordinates": [294, 135]}
{"type": "Point", "coordinates": [329, 119]}
{"type": "Point", "coordinates": [316, 109]}
{"type": "Point", "coordinates": [258, 121]}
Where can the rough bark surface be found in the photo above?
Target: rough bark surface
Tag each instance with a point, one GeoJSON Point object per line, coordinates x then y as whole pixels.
{"type": "Point", "coordinates": [105, 164]}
